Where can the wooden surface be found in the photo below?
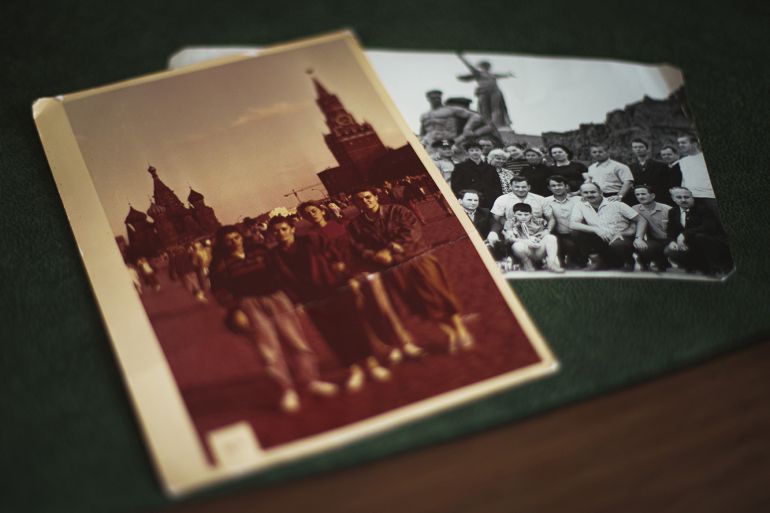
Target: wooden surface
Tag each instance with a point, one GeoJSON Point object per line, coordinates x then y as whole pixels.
{"type": "Point", "coordinates": [694, 441]}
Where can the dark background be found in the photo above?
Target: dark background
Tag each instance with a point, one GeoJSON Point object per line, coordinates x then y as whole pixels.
{"type": "Point", "coordinates": [68, 438]}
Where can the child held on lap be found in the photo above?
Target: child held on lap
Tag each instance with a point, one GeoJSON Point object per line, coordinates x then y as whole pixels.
{"type": "Point", "coordinates": [530, 239]}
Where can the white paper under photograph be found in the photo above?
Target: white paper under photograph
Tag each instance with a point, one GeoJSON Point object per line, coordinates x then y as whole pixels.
{"type": "Point", "coordinates": [604, 154]}
{"type": "Point", "coordinates": [275, 259]}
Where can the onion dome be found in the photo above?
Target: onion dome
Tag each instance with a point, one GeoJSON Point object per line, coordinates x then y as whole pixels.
{"type": "Point", "coordinates": [163, 195]}
{"type": "Point", "coordinates": [194, 196]}
{"type": "Point", "coordinates": [155, 210]}
{"type": "Point", "coordinates": [134, 215]}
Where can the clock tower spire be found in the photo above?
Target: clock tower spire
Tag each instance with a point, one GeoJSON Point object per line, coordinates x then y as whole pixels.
{"type": "Point", "coordinates": [355, 145]}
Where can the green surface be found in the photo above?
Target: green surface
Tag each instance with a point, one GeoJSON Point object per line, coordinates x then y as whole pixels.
{"type": "Point", "coordinates": [68, 439]}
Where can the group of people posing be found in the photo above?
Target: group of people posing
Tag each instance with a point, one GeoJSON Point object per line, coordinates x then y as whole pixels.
{"type": "Point", "coordinates": [350, 279]}
{"type": "Point", "coordinates": [541, 209]}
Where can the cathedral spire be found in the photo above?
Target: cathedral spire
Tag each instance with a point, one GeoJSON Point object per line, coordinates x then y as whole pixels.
{"type": "Point", "coordinates": [163, 195]}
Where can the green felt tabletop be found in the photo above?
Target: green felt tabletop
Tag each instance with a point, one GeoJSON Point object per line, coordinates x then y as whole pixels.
{"type": "Point", "coordinates": [68, 438]}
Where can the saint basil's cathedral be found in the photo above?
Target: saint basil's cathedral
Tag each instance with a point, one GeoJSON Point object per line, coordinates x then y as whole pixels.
{"type": "Point", "coordinates": [172, 223]}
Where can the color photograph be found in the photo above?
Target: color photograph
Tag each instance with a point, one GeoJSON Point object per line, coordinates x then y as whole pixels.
{"type": "Point", "coordinates": [289, 248]}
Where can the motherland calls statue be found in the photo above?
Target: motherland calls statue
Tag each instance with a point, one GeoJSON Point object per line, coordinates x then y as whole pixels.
{"type": "Point", "coordinates": [490, 100]}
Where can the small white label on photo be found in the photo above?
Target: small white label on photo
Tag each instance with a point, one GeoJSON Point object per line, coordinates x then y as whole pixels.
{"type": "Point", "coordinates": [235, 446]}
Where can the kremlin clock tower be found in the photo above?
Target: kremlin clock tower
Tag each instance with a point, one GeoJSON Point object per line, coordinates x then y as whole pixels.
{"type": "Point", "coordinates": [354, 145]}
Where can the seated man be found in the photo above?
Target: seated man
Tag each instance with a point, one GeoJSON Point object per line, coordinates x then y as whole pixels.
{"type": "Point", "coordinates": [481, 217]}
{"type": "Point", "coordinates": [530, 239]}
{"type": "Point", "coordinates": [606, 232]}
{"type": "Point", "coordinates": [502, 209]}
{"type": "Point", "coordinates": [697, 240]}
{"type": "Point", "coordinates": [389, 237]}
{"type": "Point", "coordinates": [557, 209]}
{"type": "Point", "coordinates": [656, 217]}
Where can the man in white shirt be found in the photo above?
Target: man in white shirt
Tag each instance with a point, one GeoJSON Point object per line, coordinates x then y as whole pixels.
{"type": "Point", "coordinates": [695, 175]}
{"type": "Point", "coordinates": [502, 209]}
{"type": "Point", "coordinates": [613, 178]}
{"type": "Point", "coordinates": [606, 232]}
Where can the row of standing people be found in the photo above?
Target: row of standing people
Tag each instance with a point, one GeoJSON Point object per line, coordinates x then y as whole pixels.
{"type": "Point", "coordinates": [344, 278]}
{"type": "Point", "coordinates": [489, 169]}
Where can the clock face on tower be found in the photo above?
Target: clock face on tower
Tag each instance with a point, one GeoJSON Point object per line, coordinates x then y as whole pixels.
{"type": "Point", "coordinates": [343, 119]}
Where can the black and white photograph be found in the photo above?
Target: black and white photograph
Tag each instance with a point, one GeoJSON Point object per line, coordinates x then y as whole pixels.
{"type": "Point", "coordinates": [567, 167]}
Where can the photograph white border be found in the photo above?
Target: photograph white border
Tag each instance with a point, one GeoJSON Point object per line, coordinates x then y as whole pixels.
{"type": "Point", "coordinates": [175, 446]}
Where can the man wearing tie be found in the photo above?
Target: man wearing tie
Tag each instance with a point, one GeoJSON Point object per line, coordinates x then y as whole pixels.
{"type": "Point", "coordinates": [697, 240]}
